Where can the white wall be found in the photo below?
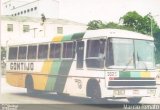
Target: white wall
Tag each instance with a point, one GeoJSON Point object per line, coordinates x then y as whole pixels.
{"type": "Point", "coordinates": [33, 13]}
{"type": "Point", "coordinates": [47, 30]}
{"type": "Point", "coordinates": [11, 4]}
{"type": "Point", "coordinates": [50, 8]}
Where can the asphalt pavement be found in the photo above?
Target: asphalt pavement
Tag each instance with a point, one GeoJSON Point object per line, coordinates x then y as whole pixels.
{"type": "Point", "coordinates": [17, 99]}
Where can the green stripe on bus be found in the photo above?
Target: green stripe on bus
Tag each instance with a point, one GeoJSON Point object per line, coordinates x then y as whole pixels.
{"type": "Point", "coordinates": [130, 74]}
{"type": "Point", "coordinates": [63, 75]}
{"type": "Point", "coordinates": [77, 36]}
{"type": "Point", "coordinates": [124, 74]}
{"type": "Point", "coordinates": [67, 38]}
{"type": "Point", "coordinates": [54, 71]}
{"type": "Point", "coordinates": [61, 68]}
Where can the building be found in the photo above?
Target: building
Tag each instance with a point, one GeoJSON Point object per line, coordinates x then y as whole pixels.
{"type": "Point", "coordinates": [23, 18]}
{"type": "Point", "coordinates": [31, 8]}
{"type": "Point", "coordinates": [19, 26]}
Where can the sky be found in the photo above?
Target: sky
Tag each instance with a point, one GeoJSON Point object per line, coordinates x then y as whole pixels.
{"type": "Point", "coordinates": [84, 11]}
{"type": "Point", "coordinates": [106, 10]}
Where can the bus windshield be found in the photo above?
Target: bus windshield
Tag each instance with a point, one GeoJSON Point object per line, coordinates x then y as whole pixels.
{"type": "Point", "coordinates": [144, 53]}
{"type": "Point", "coordinates": [130, 54]}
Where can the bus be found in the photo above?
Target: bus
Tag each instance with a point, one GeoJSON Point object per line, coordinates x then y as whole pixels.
{"type": "Point", "coordinates": [104, 63]}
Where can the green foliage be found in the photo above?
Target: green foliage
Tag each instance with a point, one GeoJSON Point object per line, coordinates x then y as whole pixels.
{"type": "Point", "coordinates": [130, 21]}
{"type": "Point", "coordinates": [3, 53]}
{"type": "Point", "coordinates": [139, 23]}
{"type": "Point", "coordinates": [95, 24]}
{"type": "Point", "coordinates": [112, 25]}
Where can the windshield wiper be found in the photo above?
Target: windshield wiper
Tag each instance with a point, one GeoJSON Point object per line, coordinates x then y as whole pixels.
{"type": "Point", "coordinates": [140, 59]}
{"type": "Point", "coordinates": [129, 62]}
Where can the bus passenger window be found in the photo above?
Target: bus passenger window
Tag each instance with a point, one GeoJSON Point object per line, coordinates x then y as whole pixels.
{"type": "Point", "coordinates": [80, 54]}
{"type": "Point", "coordinates": [68, 50]}
{"type": "Point", "coordinates": [12, 53]}
{"type": "Point", "coordinates": [43, 51]}
{"type": "Point", "coordinates": [22, 52]}
{"type": "Point", "coordinates": [95, 53]}
{"type": "Point", "coordinates": [55, 50]}
{"type": "Point", "coordinates": [32, 52]}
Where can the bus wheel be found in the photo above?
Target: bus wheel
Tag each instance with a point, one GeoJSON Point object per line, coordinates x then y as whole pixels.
{"type": "Point", "coordinates": [93, 89]}
{"type": "Point", "coordinates": [134, 100]}
{"type": "Point", "coordinates": [29, 85]}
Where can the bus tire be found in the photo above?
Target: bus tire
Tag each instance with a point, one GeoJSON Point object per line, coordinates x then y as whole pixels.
{"type": "Point", "coordinates": [29, 84]}
{"type": "Point", "coordinates": [93, 89]}
{"type": "Point", "coordinates": [134, 100]}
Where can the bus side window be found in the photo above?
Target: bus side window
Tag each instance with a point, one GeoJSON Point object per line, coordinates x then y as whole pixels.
{"type": "Point", "coordinates": [43, 51]}
{"type": "Point", "coordinates": [32, 52]}
{"type": "Point", "coordinates": [80, 54]}
{"type": "Point", "coordinates": [95, 53]}
{"type": "Point", "coordinates": [55, 50]}
{"type": "Point", "coordinates": [12, 53]}
{"type": "Point", "coordinates": [68, 50]}
{"type": "Point", "coordinates": [22, 52]}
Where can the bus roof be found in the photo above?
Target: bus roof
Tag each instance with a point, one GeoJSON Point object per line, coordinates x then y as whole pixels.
{"type": "Point", "coordinates": [116, 33]}
{"type": "Point", "coordinates": [83, 35]}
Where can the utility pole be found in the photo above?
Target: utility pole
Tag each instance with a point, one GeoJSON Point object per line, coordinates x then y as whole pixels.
{"type": "Point", "coordinates": [151, 19]}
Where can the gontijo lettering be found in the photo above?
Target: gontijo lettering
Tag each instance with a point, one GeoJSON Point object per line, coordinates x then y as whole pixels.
{"type": "Point", "coordinates": [21, 66]}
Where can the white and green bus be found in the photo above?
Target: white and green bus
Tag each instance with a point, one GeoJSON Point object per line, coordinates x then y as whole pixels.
{"type": "Point", "coordinates": [105, 63]}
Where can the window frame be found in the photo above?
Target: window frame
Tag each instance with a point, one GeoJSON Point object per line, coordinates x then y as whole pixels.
{"type": "Point", "coordinates": [60, 30]}
{"type": "Point", "coordinates": [79, 66]}
{"type": "Point", "coordinates": [38, 51]}
{"type": "Point", "coordinates": [26, 28]}
{"type": "Point", "coordinates": [35, 8]}
{"type": "Point", "coordinates": [136, 50]}
{"type": "Point", "coordinates": [98, 39]}
{"type": "Point", "coordinates": [109, 52]}
{"type": "Point", "coordinates": [9, 53]}
{"type": "Point", "coordinates": [19, 51]}
{"type": "Point", "coordinates": [73, 49]}
{"type": "Point", "coordinates": [28, 10]}
{"type": "Point", "coordinates": [97, 59]}
{"type": "Point", "coordinates": [61, 50]}
{"type": "Point", "coordinates": [9, 27]}
{"type": "Point", "coordinates": [31, 9]}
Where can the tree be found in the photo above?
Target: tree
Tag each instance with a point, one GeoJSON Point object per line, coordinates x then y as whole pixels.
{"type": "Point", "coordinates": [98, 24]}
{"type": "Point", "coordinates": [139, 23]}
{"type": "Point", "coordinates": [95, 24]}
{"type": "Point", "coordinates": [112, 25]}
{"type": "Point", "coordinates": [133, 21]}
{"type": "Point", "coordinates": [130, 21]}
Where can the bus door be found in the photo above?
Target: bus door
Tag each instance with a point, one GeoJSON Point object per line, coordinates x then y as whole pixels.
{"type": "Point", "coordinates": [80, 54]}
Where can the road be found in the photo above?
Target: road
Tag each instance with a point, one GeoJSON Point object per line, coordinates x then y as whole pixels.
{"type": "Point", "coordinates": [47, 101]}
